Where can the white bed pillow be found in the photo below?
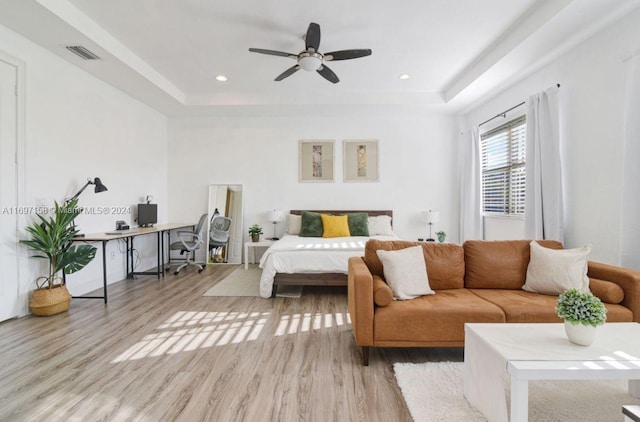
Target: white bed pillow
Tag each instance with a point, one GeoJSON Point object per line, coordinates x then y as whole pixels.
{"type": "Point", "coordinates": [405, 272]}
{"type": "Point", "coordinates": [553, 271]}
{"type": "Point", "coordinates": [380, 225]}
{"type": "Point", "coordinates": [294, 222]}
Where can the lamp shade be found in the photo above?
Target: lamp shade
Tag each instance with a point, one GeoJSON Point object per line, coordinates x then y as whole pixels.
{"type": "Point", "coordinates": [99, 186]}
{"type": "Point", "coordinates": [275, 216]}
{"type": "Point", "coordinates": [433, 217]}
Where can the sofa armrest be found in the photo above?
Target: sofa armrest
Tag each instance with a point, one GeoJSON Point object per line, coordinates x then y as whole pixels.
{"type": "Point", "coordinates": [626, 278]}
{"type": "Point", "coordinates": [360, 298]}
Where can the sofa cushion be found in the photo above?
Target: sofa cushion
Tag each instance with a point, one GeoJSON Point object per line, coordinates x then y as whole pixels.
{"type": "Point", "coordinates": [405, 272]}
{"type": "Point", "coordinates": [445, 261]}
{"type": "Point", "coordinates": [607, 291]}
{"type": "Point", "coordinates": [500, 264]}
{"type": "Point", "coordinates": [521, 306]}
{"type": "Point", "coordinates": [439, 317]}
{"type": "Point", "coordinates": [551, 272]}
{"type": "Point", "coordinates": [382, 294]}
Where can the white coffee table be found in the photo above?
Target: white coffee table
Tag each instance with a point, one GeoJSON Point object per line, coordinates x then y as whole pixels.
{"type": "Point", "coordinates": [541, 352]}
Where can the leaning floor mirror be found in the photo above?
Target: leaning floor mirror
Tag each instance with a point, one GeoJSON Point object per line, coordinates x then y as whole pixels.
{"type": "Point", "coordinates": [224, 242]}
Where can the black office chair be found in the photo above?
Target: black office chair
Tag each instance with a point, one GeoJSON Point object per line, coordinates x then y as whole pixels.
{"type": "Point", "coordinates": [219, 234]}
{"type": "Point", "coordinates": [190, 241]}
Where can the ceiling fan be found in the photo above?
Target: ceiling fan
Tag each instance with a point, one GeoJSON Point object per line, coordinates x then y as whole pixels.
{"type": "Point", "coordinates": [310, 59]}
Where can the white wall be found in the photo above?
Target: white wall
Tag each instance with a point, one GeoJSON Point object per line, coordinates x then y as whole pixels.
{"type": "Point", "coordinates": [591, 117]}
{"type": "Point", "coordinates": [79, 127]}
{"type": "Point", "coordinates": [416, 167]}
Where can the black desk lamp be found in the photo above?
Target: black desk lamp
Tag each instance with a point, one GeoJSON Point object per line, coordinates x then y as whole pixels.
{"type": "Point", "coordinates": [99, 188]}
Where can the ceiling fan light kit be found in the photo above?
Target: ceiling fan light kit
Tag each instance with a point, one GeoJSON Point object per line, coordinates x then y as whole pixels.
{"type": "Point", "coordinates": [310, 59]}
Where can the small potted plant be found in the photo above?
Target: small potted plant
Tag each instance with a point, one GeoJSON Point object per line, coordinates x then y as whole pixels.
{"type": "Point", "coordinates": [441, 236]}
{"type": "Point", "coordinates": [255, 231]}
{"type": "Point", "coordinates": [51, 239]}
{"type": "Point", "coordinates": [582, 313]}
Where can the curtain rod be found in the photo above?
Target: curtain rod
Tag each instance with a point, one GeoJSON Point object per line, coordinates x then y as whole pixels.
{"type": "Point", "coordinates": [504, 113]}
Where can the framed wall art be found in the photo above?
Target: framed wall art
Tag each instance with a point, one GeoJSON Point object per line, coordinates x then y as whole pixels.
{"type": "Point", "coordinates": [361, 160]}
{"type": "Point", "coordinates": [315, 161]}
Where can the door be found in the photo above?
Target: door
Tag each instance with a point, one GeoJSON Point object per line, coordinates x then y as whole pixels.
{"type": "Point", "coordinates": [9, 285]}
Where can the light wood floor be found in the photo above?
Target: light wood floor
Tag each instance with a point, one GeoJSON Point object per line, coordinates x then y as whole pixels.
{"type": "Point", "coordinates": [160, 351]}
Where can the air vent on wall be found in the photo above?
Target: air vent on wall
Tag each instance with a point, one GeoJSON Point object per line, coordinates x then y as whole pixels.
{"type": "Point", "coordinates": [82, 52]}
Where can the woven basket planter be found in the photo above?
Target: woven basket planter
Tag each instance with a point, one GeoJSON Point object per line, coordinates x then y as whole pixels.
{"type": "Point", "coordinates": [47, 302]}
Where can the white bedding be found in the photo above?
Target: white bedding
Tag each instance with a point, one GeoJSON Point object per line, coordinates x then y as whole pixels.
{"type": "Point", "coordinates": [295, 254]}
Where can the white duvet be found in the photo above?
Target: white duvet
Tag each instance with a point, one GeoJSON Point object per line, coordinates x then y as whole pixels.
{"type": "Point", "coordinates": [295, 254]}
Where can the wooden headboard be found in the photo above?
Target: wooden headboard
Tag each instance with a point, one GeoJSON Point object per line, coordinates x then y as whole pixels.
{"type": "Point", "coordinates": [372, 213]}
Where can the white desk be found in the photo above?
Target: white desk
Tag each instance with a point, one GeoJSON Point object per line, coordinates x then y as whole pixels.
{"type": "Point", "coordinates": [542, 352]}
{"type": "Point", "coordinates": [254, 245]}
{"type": "Point", "coordinates": [128, 236]}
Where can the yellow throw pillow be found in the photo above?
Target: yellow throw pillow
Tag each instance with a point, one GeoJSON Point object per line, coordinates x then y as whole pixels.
{"type": "Point", "coordinates": [335, 225]}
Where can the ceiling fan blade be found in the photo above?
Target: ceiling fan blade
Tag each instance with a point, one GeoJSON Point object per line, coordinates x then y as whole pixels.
{"type": "Point", "coordinates": [328, 74]}
{"type": "Point", "coordinates": [273, 52]}
{"type": "Point", "coordinates": [346, 54]}
{"type": "Point", "coordinates": [293, 69]}
{"type": "Point", "coordinates": [312, 39]}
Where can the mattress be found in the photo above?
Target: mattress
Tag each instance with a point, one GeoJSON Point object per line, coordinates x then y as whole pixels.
{"type": "Point", "coordinates": [310, 255]}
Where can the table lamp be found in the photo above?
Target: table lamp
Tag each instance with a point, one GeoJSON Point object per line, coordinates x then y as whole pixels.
{"type": "Point", "coordinates": [432, 218]}
{"type": "Point", "coordinates": [275, 216]}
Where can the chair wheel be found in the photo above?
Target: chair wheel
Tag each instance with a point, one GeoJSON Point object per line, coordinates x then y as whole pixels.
{"type": "Point", "coordinates": [175, 273]}
{"type": "Point", "coordinates": [200, 270]}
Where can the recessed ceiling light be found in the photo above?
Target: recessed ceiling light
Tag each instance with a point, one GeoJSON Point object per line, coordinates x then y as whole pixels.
{"type": "Point", "coordinates": [404, 76]}
{"type": "Point", "coordinates": [221, 78]}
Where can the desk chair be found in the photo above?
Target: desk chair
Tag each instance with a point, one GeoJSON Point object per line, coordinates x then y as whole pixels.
{"type": "Point", "coordinates": [219, 234]}
{"type": "Point", "coordinates": [190, 241]}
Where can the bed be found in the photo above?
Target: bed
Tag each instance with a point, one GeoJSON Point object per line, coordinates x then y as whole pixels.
{"type": "Point", "coordinates": [313, 261]}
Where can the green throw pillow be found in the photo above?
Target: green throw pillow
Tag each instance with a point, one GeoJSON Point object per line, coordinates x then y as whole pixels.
{"type": "Point", "coordinates": [311, 225]}
{"type": "Point", "coordinates": [359, 224]}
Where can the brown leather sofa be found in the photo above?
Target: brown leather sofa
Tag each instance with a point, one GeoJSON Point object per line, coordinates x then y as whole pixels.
{"type": "Point", "coordinates": [480, 281]}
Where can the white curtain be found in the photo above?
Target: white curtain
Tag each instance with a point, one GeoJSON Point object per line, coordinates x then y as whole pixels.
{"type": "Point", "coordinates": [543, 202]}
{"type": "Point", "coordinates": [470, 189]}
{"type": "Point", "coordinates": [629, 222]}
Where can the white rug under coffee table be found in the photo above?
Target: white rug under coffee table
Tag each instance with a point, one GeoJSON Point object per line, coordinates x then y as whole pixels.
{"type": "Point", "coordinates": [433, 392]}
{"type": "Point", "coordinates": [541, 351]}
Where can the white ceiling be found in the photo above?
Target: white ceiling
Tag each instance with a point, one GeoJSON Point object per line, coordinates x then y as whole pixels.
{"type": "Point", "coordinates": [167, 53]}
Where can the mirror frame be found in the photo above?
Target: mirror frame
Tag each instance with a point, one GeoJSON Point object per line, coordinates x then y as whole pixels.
{"type": "Point", "coordinates": [233, 254]}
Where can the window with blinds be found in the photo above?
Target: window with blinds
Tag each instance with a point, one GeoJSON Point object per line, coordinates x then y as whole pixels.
{"type": "Point", "coordinates": [503, 157]}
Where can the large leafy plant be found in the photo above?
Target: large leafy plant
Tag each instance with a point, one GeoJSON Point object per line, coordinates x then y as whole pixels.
{"type": "Point", "coordinates": [581, 308]}
{"type": "Point", "coordinates": [51, 238]}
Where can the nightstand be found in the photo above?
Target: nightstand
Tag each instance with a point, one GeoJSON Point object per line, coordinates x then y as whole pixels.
{"type": "Point", "coordinates": [254, 245]}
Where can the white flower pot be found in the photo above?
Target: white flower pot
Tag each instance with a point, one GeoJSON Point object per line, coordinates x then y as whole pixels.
{"type": "Point", "coordinates": [584, 335]}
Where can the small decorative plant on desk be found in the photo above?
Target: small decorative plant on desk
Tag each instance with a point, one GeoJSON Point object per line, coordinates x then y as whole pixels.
{"type": "Point", "coordinates": [582, 313]}
{"type": "Point", "coordinates": [255, 231]}
{"type": "Point", "coordinates": [51, 239]}
{"type": "Point", "coordinates": [441, 236]}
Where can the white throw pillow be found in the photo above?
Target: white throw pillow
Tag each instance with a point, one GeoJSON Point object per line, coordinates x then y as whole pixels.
{"type": "Point", "coordinates": [380, 225]}
{"type": "Point", "coordinates": [553, 271]}
{"type": "Point", "coordinates": [406, 272]}
{"type": "Point", "coordinates": [294, 222]}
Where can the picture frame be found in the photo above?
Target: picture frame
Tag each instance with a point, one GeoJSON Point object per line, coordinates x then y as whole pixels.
{"type": "Point", "coordinates": [361, 160]}
{"type": "Point", "coordinates": [316, 161]}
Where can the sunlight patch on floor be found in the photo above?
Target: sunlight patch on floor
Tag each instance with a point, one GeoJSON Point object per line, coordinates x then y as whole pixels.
{"type": "Point", "coordinates": [187, 331]}
{"type": "Point", "coordinates": [305, 322]}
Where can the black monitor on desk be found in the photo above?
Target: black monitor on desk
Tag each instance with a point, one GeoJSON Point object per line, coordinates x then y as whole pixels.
{"type": "Point", "coordinates": [147, 215]}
